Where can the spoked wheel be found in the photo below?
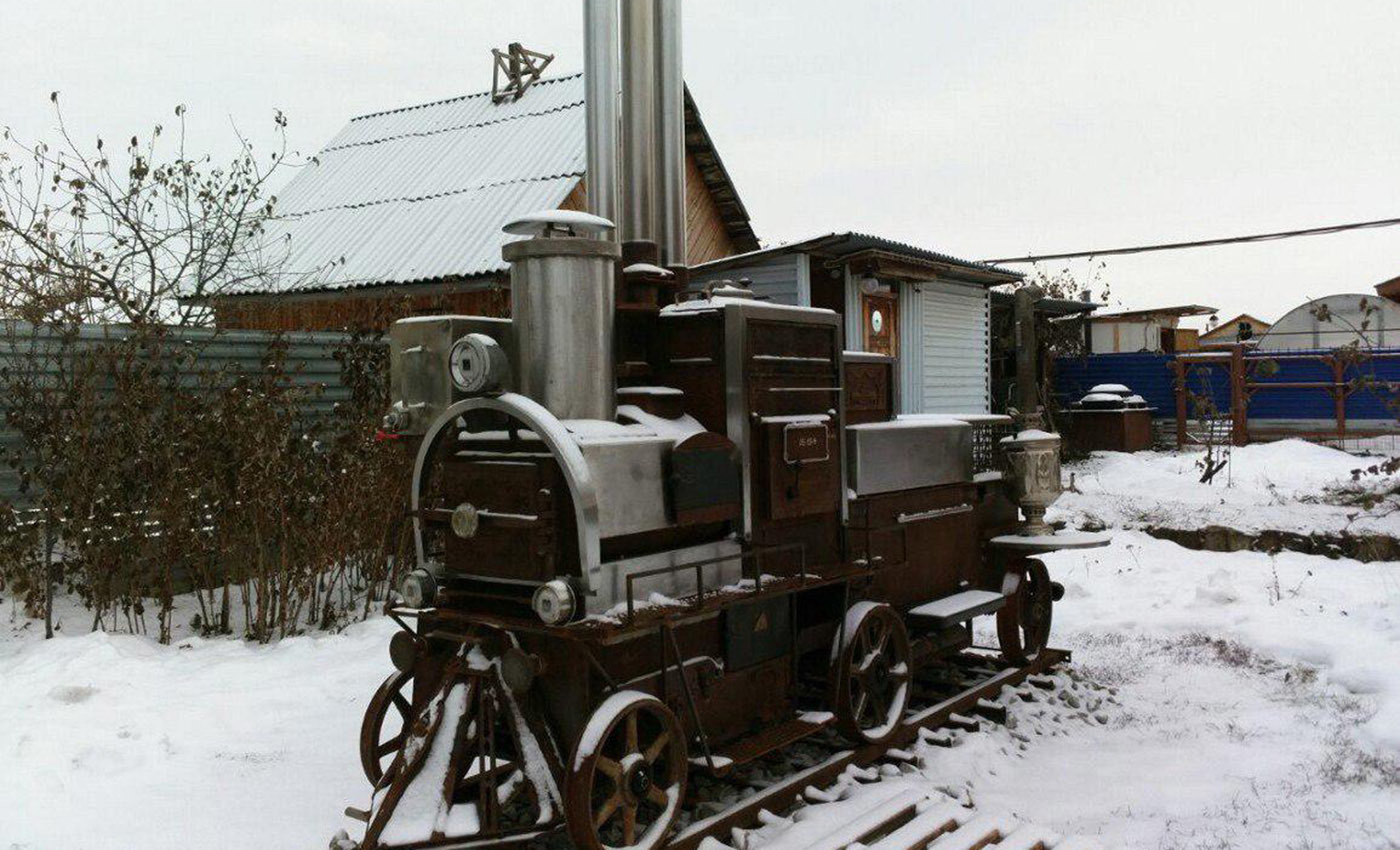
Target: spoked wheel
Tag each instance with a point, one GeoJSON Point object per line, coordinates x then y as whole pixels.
{"type": "Point", "coordinates": [386, 722]}
{"type": "Point", "coordinates": [870, 673]}
{"type": "Point", "coordinates": [627, 775]}
{"type": "Point", "coordinates": [1023, 623]}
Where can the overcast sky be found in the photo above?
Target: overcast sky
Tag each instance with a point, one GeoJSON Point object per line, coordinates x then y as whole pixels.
{"type": "Point", "coordinates": [981, 129]}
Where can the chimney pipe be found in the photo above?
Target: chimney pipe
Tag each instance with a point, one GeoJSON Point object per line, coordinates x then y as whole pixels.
{"type": "Point", "coordinates": [601, 79]}
{"type": "Point", "coordinates": [670, 128]}
{"type": "Point", "coordinates": [639, 191]}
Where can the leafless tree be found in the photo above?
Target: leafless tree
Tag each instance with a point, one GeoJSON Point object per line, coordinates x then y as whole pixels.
{"type": "Point", "coordinates": [137, 236]}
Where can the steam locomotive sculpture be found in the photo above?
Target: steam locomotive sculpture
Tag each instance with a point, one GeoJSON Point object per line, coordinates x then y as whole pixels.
{"type": "Point", "coordinates": [662, 526]}
{"type": "Point", "coordinates": [657, 534]}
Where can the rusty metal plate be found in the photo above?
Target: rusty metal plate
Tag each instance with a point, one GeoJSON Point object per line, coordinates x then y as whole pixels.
{"type": "Point", "coordinates": [805, 442]}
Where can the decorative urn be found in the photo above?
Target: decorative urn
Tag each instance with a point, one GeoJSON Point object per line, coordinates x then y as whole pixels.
{"type": "Point", "coordinates": [1033, 476]}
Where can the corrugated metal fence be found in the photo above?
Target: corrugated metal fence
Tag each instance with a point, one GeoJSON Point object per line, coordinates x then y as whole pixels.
{"type": "Point", "coordinates": [1148, 375]}
{"type": "Point", "coordinates": [1376, 382]}
{"type": "Point", "coordinates": [309, 359]}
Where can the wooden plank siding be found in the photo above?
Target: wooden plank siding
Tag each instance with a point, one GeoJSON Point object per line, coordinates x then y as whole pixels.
{"type": "Point", "coordinates": [707, 236]}
{"type": "Point", "coordinates": [356, 310]}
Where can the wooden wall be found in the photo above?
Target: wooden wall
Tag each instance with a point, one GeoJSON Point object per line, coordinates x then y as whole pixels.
{"type": "Point", "coordinates": [357, 310]}
{"type": "Point", "coordinates": [706, 236]}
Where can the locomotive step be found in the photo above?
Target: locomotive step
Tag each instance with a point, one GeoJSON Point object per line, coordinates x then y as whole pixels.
{"type": "Point", "coordinates": [958, 608]}
{"type": "Point", "coordinates": [770, 739]}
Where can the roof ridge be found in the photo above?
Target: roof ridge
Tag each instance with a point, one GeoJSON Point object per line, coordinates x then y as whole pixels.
{"type": "Point", "coordinates": [454, 128]}
{"type": "Point", "coordinates": [433, 196]}
{"type": "Point", "coordinates": [457, 98]}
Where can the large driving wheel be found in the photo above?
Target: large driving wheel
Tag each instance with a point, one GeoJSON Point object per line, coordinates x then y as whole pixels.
{"type": "Point", "coordinates": [1023, 623]}
{"type": "Point", "coordinates": [870, 673]}
{"type": "Point", "coordinates": [386, 722]}
{"type": "Point", "coordinates": [627, 776]}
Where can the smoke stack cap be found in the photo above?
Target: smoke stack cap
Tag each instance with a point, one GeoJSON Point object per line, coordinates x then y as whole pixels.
{"type": "Point", "coordinates": [558, 223]}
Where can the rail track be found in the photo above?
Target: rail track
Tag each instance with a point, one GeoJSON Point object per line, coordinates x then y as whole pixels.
{"type": "Point", "coordinates": [823, 794]}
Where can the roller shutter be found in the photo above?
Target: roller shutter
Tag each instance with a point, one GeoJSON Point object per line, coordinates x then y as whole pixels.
{"type": "Point", "coordinates": [955, 355]}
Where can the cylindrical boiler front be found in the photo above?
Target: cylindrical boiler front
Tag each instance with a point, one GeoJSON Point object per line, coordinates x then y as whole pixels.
{"type": "Point", "coordinates": [562, 306]}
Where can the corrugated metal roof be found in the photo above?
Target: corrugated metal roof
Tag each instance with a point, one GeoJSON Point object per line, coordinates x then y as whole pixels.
{"type": "Point", "coordinates": [421, 193]}
{"type": "Point", "coordinates": [842, 244]}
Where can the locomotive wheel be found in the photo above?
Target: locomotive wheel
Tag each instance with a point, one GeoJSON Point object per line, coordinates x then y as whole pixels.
{"type": "Point", "coordinates": [870, 673]}
{"type": "Point", "coordinates": [1023, 623]}
{"type": "Point", "coordinates": [377, 749]}
{"type": "Point", "coordinates": [627, 775]}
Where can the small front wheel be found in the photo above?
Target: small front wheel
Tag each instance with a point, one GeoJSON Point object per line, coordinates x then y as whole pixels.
{"type": "Point", "coordinates": [627, 776]}
{"type": "Point", "coordinates": [1023, 623]}
{"type": "Point", "coordinates": [386, 723]}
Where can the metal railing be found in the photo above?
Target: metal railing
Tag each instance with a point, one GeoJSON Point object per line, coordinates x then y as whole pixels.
{"type": "Point", "coordinates": [755, 554]}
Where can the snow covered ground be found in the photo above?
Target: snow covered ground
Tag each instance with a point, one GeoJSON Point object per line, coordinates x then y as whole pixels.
{"type": "Point", "coordinates": [113, 741]}
{"type": "Point", "coordinates": [1290, 485]}
{"type": "Point", "coordinates": [1256, 699]}
{"type": "Point", "coordinates": [1259, 704]}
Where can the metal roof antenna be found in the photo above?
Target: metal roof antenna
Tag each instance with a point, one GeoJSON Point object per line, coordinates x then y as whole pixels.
{"type": "Point", "coordinates": [521, 67]}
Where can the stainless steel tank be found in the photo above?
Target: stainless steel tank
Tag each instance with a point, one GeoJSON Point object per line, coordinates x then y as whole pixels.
{"type": "Point", "coordinates": [562, 303]}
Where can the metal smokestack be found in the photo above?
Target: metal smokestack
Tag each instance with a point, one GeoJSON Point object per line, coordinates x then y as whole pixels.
{"type": "Point", "coordinates": [639, 194]}
{"type": "Point", "coordinates": [601, 81]}
{"type": "Point", "coordinates": [670, 129]}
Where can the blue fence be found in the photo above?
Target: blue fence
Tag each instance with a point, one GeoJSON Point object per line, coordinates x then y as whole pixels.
{"type": "Point", "coordinates": [1152, 377]}
{"type": "Point", "coordinates": [1148, 375]}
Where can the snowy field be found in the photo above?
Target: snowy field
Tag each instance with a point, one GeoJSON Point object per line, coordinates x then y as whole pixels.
{"type": "Point", "coordinates": [1216, 700]}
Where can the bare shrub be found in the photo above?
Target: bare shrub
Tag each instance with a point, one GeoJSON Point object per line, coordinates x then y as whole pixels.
{"type": "Point", "coordinates": [147, 469]}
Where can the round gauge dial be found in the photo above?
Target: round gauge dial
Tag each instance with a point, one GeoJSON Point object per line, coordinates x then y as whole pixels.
{"type": "Point", "coordinates": [478, 364]}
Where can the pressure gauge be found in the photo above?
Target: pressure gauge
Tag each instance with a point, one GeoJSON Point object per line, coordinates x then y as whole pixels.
{"type": "Point", "coordinates": [478, 364]}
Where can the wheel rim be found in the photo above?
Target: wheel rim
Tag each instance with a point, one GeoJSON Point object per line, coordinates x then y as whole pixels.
{"type": "Point", "coordinates": [872, 676]}
{"type": "Point", "coordinates": [628, 790]}
{"type": "Point", "coordinates": [1023, 624]}
{"type": "Point", "coordinates": [386, 722]}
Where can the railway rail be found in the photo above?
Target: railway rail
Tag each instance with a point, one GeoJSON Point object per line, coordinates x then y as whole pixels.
{"type": "Point", "coordinates": [822, 794]}
{"type": "Point", "coordinates": [959, 696]}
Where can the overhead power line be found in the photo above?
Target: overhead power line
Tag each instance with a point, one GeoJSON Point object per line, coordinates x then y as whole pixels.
{"type": "Point", "coordinates": [1199, 243]}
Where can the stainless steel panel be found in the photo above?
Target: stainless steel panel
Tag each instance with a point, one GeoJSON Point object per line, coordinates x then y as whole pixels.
{"type": "Point", "coordinates": [601, 78]}
{"type": "Point", "coordinates": [883, 457]}
{"type": "Point", "coordinates": [639, 180]}
{"type": "Point", "coordinates": [419, 377]}
{"type": "Point", "coordinates": [670, 129]}
{"type": "Point", "coordinates": [609, 581]}
{"type": "Point", "coordinates": [562, 306]}
{"type": "Point", "coordinates": [630, 477]}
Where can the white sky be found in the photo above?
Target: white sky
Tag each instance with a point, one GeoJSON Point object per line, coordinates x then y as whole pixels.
{"type": "Point", "coordinates": [975, 128]}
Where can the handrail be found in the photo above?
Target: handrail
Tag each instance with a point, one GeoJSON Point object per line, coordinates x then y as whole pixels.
{"type": "Point", "coordinates": [700, 565]}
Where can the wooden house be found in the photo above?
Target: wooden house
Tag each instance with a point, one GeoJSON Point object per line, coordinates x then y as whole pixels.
{"type": "Point", "coordinates": [401, 213]}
